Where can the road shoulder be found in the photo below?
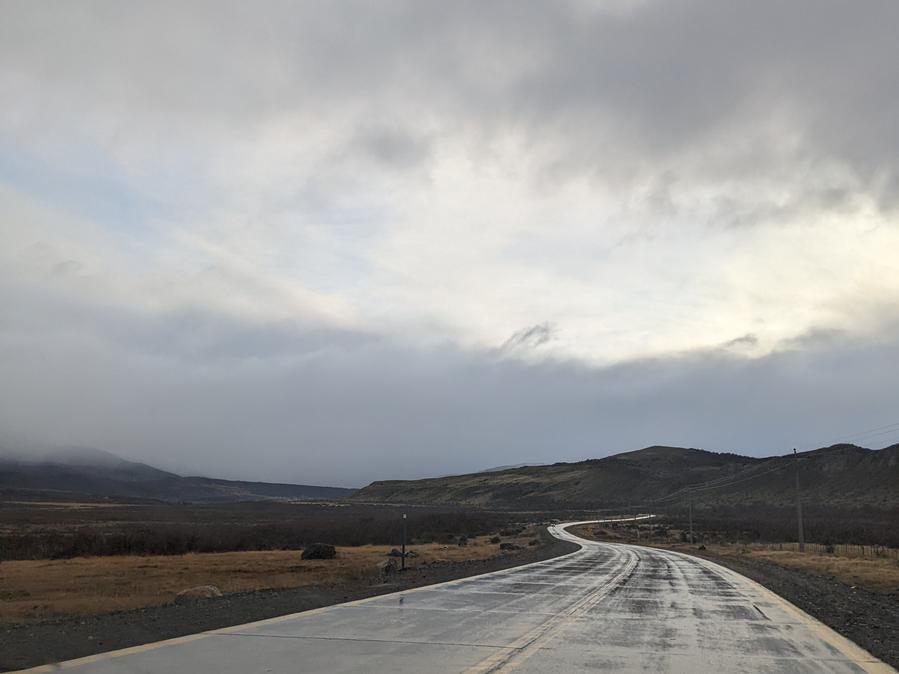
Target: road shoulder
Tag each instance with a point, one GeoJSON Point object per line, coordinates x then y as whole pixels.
{"type": "Point", "coordinates": [867, 618]}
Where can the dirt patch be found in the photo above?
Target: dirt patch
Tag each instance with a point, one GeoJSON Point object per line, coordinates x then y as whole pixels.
{"type": "Point", "coordinates": [64, 639]}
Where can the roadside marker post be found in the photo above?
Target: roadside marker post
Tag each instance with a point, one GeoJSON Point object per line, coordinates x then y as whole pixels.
{"type": "Point", "coordinates": [403, 563]}
{"type": "Point", "coordinates": [691, 521]}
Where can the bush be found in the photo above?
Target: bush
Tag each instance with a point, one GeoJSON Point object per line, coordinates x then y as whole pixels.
{"type": "Point", "coordinates": [494, 540]}
{"type": "Point", "coordinates": [319, 551]}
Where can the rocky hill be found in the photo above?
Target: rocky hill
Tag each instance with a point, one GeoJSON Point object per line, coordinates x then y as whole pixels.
{"type": "Point", "coordinates": [843, 475]}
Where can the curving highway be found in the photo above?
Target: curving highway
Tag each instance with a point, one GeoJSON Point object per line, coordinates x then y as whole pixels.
{"type": "Point", "coordinates": [606, 607]}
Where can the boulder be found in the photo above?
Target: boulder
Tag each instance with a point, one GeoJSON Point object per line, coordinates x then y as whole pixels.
{"type": "Point", "coordinates": [319, 551]}
{"type": "Point", "coordinates": [198, 592]}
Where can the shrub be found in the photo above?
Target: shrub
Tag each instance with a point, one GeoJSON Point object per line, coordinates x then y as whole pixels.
{"type": "Point", "coordinates": [319, 551]}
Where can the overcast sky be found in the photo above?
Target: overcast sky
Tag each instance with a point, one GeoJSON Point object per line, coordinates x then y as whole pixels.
{"type": "Point", "coordinates": [333, 242]}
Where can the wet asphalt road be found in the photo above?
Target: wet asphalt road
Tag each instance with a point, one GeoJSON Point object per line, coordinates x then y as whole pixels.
{"type": "Point", "coordinates": [604, 608]}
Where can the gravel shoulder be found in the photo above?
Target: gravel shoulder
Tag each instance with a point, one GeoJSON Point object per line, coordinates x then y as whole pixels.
{"type": "Point", "coordinates": [870, 619]}
{"type": "Point", "coordinates": [58, 640]}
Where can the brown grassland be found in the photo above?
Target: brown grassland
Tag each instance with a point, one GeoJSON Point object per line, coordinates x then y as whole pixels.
{"type": "Point", "coordinates": [879, 574]}
{"type": "Point", "coordinates": [33, 590]}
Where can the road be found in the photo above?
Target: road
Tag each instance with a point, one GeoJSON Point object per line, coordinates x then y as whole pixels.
{"type": "Point", "coordinates": [606, 607]}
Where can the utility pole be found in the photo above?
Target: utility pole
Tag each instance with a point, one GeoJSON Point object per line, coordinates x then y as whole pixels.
{"type": "Point", "coordinates": [799, 504]}
{"type": "Point", "coordinates": [691, 520]}
{"type": "Point", "coordinates": [403, 563]}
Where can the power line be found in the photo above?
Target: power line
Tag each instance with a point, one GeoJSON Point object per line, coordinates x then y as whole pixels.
{"type": "Point", "coordinates": [871, 430]}
{"type": "Point", "coordinates": [857, 435]}
{"type": "Point", "coordinates": [892, 430]}
{"type": "Point", "coordinates": [719, 483]}
{"type": "Point", "coordinates": [740, 481]}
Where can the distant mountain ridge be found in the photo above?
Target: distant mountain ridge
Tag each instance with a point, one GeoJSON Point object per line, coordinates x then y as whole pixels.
{"type": "Point", "coordinates": [844, 475]}
{"type": "Point", "coordinates": [91, 472]}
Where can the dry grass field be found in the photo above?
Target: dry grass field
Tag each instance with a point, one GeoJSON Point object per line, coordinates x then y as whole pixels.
{"type": "Point", "coordinates": [33, 590]}
{"type": "Point", "coordinates": [879, 574]}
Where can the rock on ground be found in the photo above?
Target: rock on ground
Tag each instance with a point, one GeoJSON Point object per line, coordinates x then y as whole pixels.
{"type": "Point", "coordinates": [198, 592]}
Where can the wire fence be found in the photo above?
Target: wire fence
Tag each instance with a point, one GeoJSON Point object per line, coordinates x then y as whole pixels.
{"type": "Point", "coordinates": [836, 549]}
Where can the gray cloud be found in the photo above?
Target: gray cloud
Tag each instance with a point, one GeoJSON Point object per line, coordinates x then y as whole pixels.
{"type": "Point", "coordinates": [186, 334]}
{"type": "Point", "coordinates": [747, 340]}
{"type": "Point", "coordinates": [624, 93]}
{"type": "Point", "coordinates": [529, 338]}
{"type": "Point", "coordinates": [393, 147]}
